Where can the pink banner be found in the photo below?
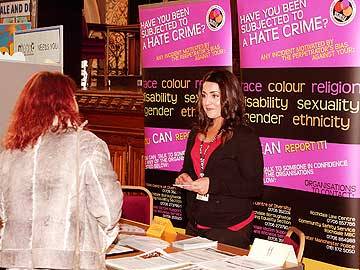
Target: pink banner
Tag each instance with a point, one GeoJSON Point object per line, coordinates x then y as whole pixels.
{"type": "Point", "coordinates": [192, 33]}
{"type": "Point", "coordinates": [313, 166]}
{"type": "Point", "coordinates": [165, 148]}
{"type": "Point", "coordinates": [298, 33]}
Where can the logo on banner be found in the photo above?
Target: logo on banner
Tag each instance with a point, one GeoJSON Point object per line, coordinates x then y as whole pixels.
{"type": "Point", "coordinates": [342, 12]}
{"type": "Point", "coordinates": [26, 48]}
{"type": "Point", "coordinates": [215, 18]}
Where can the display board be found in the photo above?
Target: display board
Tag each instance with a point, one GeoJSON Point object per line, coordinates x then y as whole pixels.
{"type": "Point", "coordinates": [180, 42]}
{"type": "Point", "coordinates": [15, 11]}
{"type": "Point", "coordinates": [7, 32]}
{"type": "Point", "coordinates": [300, 72]}
{"type": "Point", "coordinates": [41, 45]}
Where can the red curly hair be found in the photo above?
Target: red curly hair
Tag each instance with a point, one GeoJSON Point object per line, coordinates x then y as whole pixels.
{"type": "Point", "coordinates": [45, 96]}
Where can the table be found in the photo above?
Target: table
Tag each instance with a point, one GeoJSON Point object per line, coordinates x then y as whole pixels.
{"type": "Point", "coordinates": [171, 238]}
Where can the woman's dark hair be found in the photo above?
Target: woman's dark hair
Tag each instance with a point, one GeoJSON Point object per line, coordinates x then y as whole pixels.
{"type": "Point", "coordinates": [232, 103]}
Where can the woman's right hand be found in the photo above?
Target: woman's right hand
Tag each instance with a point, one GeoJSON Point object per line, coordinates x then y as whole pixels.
{"type": "Point", "coordinates": [183, 179]}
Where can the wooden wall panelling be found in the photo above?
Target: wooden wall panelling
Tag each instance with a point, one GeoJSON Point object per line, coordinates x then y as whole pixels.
{"type": "Point", "coordinates": [119, 160]}
{"type": "Point", "coordinates": [118, 119]}
{"type": "Point", "coordinates": [134, 55]}
{"type": "Point", "coordinates": [136, 165]}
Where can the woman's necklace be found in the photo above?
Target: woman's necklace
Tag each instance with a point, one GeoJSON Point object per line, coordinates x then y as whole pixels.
{"type": "Point", "coordinates": [203, 154]}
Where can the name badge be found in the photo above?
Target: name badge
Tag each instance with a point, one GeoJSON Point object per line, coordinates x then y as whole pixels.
{"type": "Point", "coordinates": [204, 198]}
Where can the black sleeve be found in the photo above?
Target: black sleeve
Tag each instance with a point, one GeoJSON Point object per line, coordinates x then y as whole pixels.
{"type": "Point", "coordinates": [251, 166]}
{"type": "Point", "coordinates": [241, 175]}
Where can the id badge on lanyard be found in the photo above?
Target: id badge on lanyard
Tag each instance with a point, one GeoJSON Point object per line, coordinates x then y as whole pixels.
{"type": "Point", "coordinates": [204, 198]}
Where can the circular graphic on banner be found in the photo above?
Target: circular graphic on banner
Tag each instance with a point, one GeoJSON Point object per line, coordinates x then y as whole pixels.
{"type": "Point", "coordinates": [342, 12]}
{"type": "Point", "coordinates": [215, 18]}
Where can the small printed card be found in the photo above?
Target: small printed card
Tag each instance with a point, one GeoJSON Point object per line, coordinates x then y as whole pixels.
{"type": "Point", "coordinates": [272, 252]}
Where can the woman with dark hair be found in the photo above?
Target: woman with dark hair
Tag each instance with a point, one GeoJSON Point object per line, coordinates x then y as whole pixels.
{"type": "Point", "coordinates": [223, 164]}
{"type": "Point", "coordinates": [55, 180]}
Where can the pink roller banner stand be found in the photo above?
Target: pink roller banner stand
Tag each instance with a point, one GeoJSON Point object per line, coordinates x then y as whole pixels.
{"type": "Point", "coordinates": [299, 63]}
{"type": "Point", "coordinates": [180, 42]}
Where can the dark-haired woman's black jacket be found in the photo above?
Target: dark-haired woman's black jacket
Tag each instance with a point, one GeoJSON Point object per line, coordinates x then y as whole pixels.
{"type": "Point", "coordinates": [235, 170]}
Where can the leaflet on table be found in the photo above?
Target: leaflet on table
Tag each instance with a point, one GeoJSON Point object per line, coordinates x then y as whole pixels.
{"type": "Point", "coordinates": [194, 242]}
{"type": "Point", "coordinates": [131, 229]}
{"type": "Point", "coordinates": [118, 249]}
{"type": "Point", "coordinates": [143, 243]}
{"type": "Point", "coordinates": [201, 255]}
{"type": "Point", "coordinates": [153, 260]}
{"type": "Point", "coordinates": [238, 262]}
{"type": "Point", "coordinates": [193, 267]}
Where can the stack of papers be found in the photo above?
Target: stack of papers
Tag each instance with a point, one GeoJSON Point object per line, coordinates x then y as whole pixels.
{"type": "Point", "coordinates": [240, 263]}
{"type": "Point", "coordinates": [194, 243]}
{"type": "Point", "coordinates": [200, 259]}
{"type": "Point", "coordinates": [117, 249]}
{"type": "Point", "coordinates": [201, 255]}
{"type": "Point", "coordinates": [153, 260]}
{"type": "Point", "coordinates": [131, 229]}
{"type": "Point", "coordinates": [143, 243]}
{"type": "Point", "coordinates": [197, 255]}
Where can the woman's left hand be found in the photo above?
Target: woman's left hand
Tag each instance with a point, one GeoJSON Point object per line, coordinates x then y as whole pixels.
{"type": "Point", "coordinates": [201, 185]}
